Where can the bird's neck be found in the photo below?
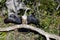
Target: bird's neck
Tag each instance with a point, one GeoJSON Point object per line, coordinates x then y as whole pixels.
{"type": "Point", "coordinates": [24, 19]}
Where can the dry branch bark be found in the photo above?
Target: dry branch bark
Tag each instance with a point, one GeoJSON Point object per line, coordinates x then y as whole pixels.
{"type": "Point", "coordinates": [47, 35]}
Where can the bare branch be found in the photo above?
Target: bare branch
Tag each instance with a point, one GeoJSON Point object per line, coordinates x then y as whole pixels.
{"type": "Point", "coordinates": [47, 35]}
{"type": "Point", "coordinates": [57, 7]}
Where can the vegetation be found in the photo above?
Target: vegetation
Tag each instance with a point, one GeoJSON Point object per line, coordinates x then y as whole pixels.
{"type": "Point", "coordinates": [45, 11]}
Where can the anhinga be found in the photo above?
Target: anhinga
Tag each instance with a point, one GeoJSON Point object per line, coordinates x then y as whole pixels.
{"type": "Point", "coordinates": [32, 19]}
{"type": "Point", "coordinates": [14, 19]}
{"type": "Point", "coordinates": [13, 12]}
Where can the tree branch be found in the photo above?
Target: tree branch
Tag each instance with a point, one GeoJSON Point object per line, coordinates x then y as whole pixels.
{"type": "Point", "coordinates": [47, 35]}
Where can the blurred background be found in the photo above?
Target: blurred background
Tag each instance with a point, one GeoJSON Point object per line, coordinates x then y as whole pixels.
{"type": "Point", "coordinates": [45, 12]}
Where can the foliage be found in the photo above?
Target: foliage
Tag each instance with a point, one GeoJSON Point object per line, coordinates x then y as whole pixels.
{"type": "Point", "coordinates": [2, 3]}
